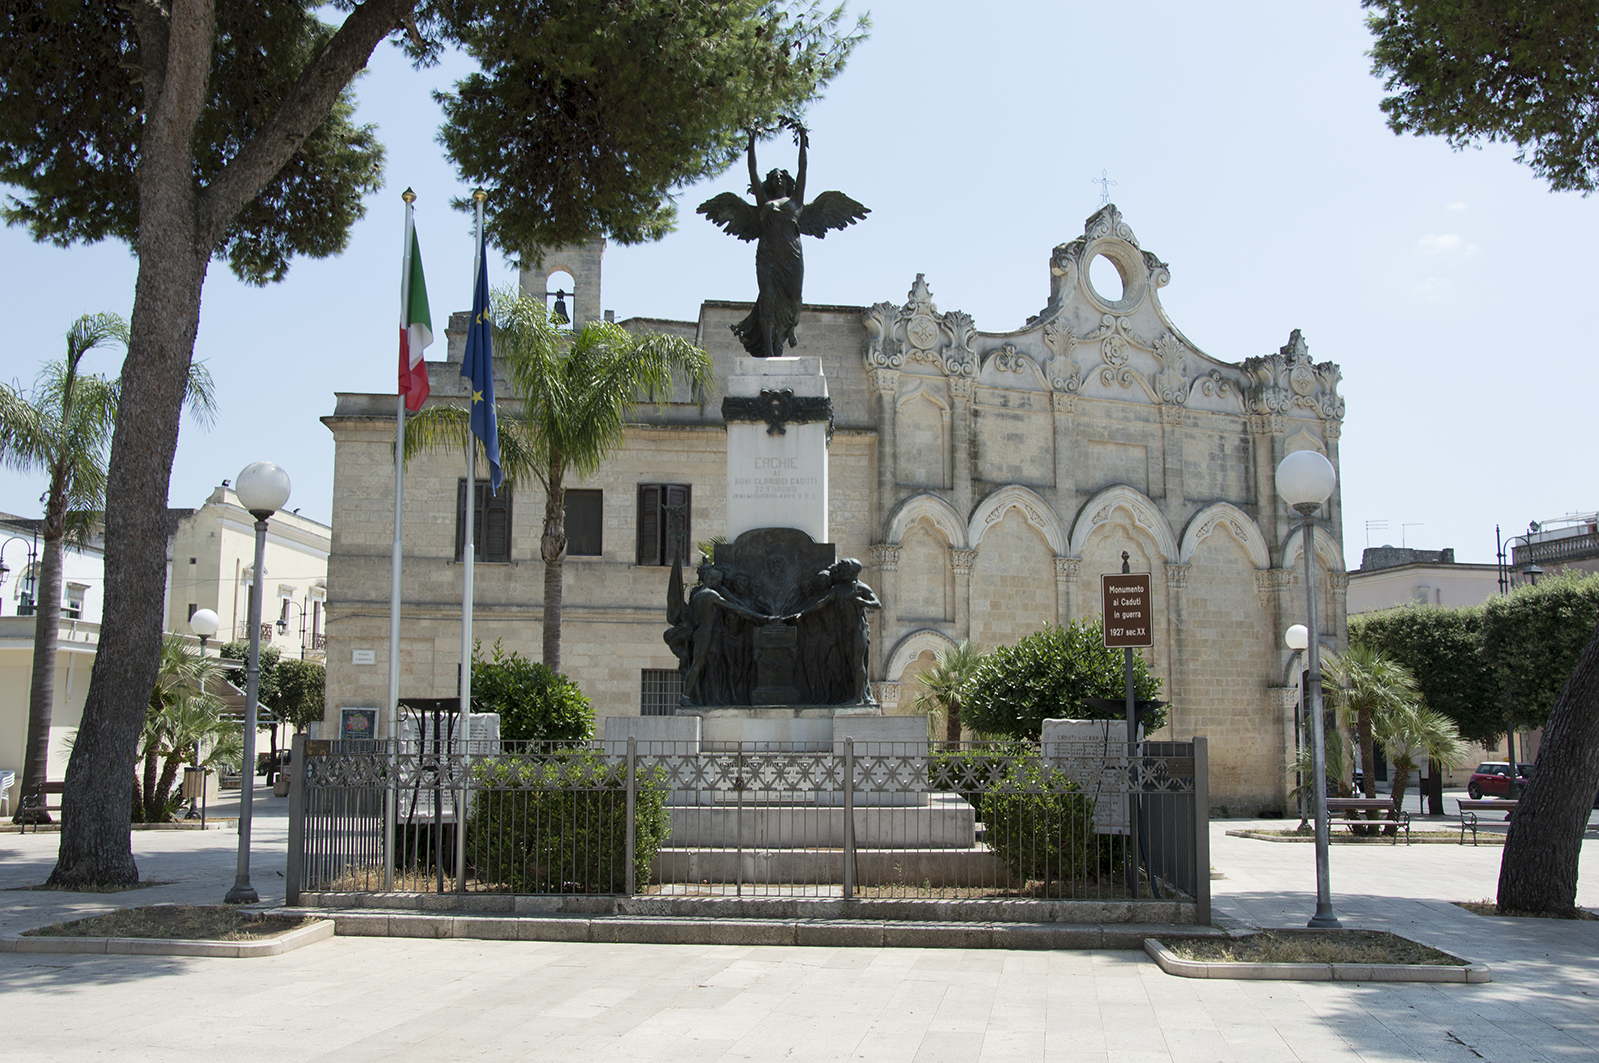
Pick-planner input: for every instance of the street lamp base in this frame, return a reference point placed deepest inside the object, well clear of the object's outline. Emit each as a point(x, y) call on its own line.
point(242, 895)
point(1324, 920)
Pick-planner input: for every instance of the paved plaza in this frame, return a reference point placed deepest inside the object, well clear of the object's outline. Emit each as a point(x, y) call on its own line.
point(355, 1000)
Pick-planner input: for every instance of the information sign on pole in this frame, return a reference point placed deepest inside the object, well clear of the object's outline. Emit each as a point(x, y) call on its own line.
point(1126, 601)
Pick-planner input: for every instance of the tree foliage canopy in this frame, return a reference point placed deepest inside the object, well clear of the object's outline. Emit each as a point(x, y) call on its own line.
point(1046, 675)
point(74, 81)
point(586, 123)
point(1525, 73)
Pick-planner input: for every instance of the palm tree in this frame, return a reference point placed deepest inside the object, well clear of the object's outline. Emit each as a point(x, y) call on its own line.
point(943, 685)
point(577, 392)
point(1366, 681)
point(1412, 734)
point(63, 430)
point(183, 724)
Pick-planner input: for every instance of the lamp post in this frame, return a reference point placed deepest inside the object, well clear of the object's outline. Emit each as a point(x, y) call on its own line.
point(262, 488)
point(25, 602)
point(205, 624)
point(283, 624)
point(1305, 480)
point(1297, 638)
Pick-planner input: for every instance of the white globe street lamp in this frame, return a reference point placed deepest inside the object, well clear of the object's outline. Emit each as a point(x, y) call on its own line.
point(263, 489)
point(1305, 480)
point(205, 624)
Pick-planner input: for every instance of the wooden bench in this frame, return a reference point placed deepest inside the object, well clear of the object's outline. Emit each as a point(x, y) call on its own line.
point(38, 800)
point(1469, 809)
point(1398, 817)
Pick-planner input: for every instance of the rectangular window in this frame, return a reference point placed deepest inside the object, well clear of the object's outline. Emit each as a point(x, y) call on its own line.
point(660, 689)
point(585, 523)
point(193, 608)
point(491, 522)
point(663, 523)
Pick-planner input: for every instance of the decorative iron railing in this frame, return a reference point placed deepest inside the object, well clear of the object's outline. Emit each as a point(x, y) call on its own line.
point(851, 819)
point(1552, 551)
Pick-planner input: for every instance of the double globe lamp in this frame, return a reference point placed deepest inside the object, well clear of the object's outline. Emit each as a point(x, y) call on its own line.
point(1305, 480)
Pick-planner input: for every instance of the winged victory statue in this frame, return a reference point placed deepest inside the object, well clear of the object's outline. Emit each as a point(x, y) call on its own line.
point(776, 221)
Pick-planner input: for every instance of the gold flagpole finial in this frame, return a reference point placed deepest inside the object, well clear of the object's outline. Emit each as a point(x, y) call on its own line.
point(408, 195)
point(479, 195)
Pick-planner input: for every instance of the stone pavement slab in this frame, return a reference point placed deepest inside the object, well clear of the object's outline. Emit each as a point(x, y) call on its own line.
point(356, 999)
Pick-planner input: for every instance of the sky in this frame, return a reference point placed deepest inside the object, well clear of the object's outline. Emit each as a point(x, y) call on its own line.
point(1248, 151)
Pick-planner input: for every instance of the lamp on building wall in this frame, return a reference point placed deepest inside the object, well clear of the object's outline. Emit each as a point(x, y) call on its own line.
point(262, 488)
point(1305, 480)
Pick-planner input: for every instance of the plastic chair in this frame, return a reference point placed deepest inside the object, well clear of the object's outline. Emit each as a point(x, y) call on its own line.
point(6, 779)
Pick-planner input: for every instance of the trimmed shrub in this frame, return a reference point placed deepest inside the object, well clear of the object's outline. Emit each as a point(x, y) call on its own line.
point(1040, 823)
point(534, 702)
point(1046, 675)
point(557, 823)
point(1532, 638)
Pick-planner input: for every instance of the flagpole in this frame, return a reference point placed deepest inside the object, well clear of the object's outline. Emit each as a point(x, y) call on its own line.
point(392, 722)
point(468, 558)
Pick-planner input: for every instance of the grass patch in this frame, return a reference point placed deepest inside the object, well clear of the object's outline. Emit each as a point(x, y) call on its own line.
point(1492, 908)
point(175, 922)
point(1313, 946)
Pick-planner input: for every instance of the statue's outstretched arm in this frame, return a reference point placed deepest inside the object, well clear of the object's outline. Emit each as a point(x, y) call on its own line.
point(799, 178)
point(755, 175)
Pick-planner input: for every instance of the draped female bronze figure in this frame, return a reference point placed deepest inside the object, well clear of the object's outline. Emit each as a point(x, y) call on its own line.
point(776, 221)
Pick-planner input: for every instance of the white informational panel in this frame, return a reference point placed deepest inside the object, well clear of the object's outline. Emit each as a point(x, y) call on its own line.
point(485, 735)
point(1093, 754)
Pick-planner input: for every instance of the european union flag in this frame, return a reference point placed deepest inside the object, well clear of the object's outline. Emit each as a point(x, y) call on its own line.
point(478, 366)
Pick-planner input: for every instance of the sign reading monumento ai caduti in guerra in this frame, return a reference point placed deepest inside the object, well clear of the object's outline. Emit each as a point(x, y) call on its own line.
point(1125, 597)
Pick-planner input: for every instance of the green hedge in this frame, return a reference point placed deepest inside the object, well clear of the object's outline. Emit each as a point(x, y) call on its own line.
point(558, 823)
point(1486, 665)
point(1040, 823)
point(1046, 675)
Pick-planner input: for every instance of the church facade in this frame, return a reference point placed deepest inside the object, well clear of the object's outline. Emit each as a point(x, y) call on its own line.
point(986, 481)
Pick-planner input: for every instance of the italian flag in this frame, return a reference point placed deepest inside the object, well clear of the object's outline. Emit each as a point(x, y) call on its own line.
point(416, 330)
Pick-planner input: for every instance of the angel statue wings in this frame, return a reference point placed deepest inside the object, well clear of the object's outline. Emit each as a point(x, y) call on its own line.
point(776, 221)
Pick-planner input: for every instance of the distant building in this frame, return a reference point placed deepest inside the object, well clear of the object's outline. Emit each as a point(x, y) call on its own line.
point(209, 554)
point(1398, 575)
point(1563, 544)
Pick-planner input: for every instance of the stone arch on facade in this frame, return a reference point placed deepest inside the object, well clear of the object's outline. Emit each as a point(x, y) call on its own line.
point(1237, 523)
point(1327, 551)
point(933, 508)
point(913, 646)
point(1145, 514)
point(1033, 509)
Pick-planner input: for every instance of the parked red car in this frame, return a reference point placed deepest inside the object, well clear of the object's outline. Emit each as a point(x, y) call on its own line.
point(1492, 779)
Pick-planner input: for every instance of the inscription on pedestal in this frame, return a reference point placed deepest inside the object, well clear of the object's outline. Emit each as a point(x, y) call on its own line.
point(776, 649)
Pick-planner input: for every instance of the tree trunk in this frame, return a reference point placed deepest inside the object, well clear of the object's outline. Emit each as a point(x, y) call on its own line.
point(96, 845)
point(1538, 871)
point(42, 694)
point(1368, 761)
point(147, 798)
point(163, 786)
point(552, 548)
point(952, 721)
point(1401, 784)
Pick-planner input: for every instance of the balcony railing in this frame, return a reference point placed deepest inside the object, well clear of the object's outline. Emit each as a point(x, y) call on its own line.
point(1569, 548)
point(267, 631)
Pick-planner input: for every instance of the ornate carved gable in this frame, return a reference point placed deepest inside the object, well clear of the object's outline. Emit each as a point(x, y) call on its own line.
point(917, 334)
point(1087, 345)
point(1289, 380)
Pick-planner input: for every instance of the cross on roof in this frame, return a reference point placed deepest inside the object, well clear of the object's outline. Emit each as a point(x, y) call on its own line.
point(1105, 185)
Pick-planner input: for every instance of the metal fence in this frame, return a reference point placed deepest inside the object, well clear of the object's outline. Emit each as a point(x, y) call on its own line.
point(851, 819)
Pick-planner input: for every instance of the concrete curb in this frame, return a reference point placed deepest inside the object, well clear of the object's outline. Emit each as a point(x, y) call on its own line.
point(1314, 972)
point(320, 930)
point(678, 930)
